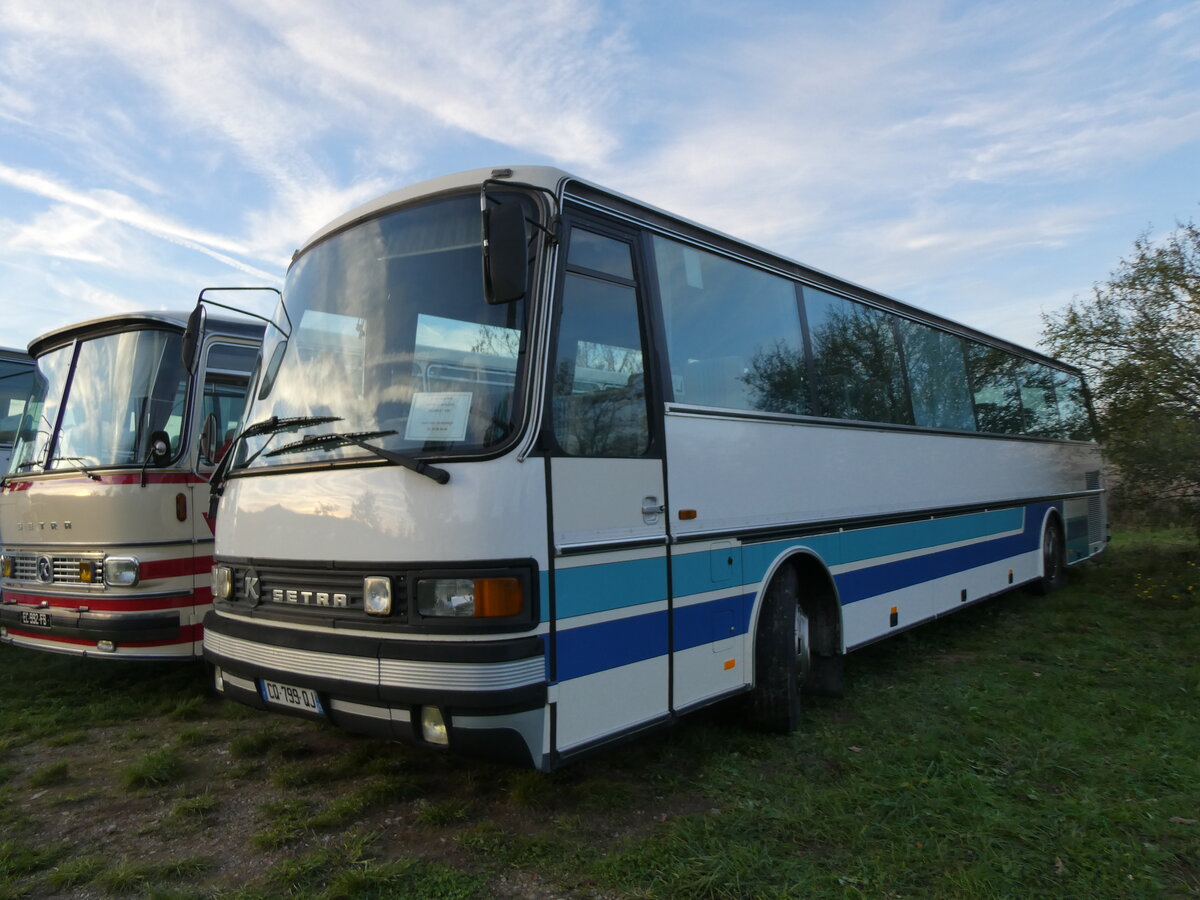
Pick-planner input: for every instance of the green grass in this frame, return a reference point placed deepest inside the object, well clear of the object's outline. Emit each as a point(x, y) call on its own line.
point(157, 768)
point(1025, 747)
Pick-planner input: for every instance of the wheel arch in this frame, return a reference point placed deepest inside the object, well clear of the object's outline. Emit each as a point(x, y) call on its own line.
point(818, 596)
point(1052, 517)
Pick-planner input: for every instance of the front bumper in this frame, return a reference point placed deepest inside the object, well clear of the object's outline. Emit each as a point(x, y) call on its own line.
point(492, 693)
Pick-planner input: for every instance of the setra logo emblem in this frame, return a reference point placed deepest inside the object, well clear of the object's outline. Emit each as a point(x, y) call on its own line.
point(45, 570)
point(251, 589)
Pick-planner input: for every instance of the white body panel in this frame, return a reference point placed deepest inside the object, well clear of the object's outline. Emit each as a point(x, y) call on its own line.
point(494, 509)
point(826, 473)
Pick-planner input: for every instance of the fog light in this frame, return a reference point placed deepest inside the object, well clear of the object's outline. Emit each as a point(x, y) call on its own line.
point(89, 571)
point(122, 571)
point(377, 595)
point(433, 726)
point(106, 646)
point(6, 566)
point(222, 582)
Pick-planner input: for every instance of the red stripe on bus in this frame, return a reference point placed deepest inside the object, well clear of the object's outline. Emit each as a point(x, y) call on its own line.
point(201, 597)
point(123, 478)
point(189, 634)
point(173, 568)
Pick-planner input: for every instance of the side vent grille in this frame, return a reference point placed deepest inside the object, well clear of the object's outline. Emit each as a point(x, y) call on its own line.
point(1095, 509)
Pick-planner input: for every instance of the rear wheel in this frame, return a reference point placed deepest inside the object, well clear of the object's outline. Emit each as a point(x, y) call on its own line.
point(1054, 560)
point(782, 656)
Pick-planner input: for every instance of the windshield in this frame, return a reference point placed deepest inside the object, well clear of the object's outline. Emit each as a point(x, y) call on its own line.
point(124, 387)
point(393, 338)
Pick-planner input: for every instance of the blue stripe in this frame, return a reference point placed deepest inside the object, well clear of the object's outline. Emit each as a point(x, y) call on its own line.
point(716, 620)
point(595, 648)
point(607, 645)
point(888, 577)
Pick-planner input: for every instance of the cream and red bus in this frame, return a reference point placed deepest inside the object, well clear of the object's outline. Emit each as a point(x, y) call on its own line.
point(106, 538)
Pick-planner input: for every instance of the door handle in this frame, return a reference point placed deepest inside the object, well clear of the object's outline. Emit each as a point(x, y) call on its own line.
point(651, 510)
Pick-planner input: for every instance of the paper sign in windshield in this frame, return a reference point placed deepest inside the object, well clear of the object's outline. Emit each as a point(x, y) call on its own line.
point(438, 416)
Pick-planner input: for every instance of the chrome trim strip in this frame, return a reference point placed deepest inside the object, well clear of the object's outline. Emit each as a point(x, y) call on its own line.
point(462, 676)
point(302, 662)
point(386, 672)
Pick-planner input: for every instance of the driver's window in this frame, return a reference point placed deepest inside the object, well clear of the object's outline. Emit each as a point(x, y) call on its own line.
point(599, 390)
point(223, 400)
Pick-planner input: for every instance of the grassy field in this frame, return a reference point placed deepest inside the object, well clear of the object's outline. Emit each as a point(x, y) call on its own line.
point(1026, 747)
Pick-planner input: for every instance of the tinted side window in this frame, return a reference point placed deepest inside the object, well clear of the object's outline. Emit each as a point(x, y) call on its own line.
point(733, 332)
point(994, 378)
point(1072, 406)
point(1039, 405)
point(937, 377)
point(856, 360)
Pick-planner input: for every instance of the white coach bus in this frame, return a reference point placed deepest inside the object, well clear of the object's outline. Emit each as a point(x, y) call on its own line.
point(107, 543)
point(16, 375)
point(527, 493)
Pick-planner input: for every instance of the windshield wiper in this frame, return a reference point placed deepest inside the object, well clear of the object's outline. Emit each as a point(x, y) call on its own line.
point(78, 459)
point(276, 424)
point(271, 426)
point(358, 439)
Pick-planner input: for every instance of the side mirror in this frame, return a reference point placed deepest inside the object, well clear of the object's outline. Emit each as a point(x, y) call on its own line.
point(160, 448)
point(208, 438)
point(505, 253)
point(191, 338)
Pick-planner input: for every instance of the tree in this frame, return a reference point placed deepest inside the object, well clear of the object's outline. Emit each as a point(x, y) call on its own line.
point(1137, 338)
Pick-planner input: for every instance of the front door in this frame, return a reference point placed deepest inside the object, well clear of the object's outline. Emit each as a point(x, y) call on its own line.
point(611, 638)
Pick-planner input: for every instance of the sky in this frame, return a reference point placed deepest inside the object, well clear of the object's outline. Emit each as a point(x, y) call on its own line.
point(987, 161)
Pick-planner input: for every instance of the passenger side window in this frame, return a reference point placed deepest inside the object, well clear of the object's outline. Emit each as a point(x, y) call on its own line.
point(937, 377)
point(733, 332)
point(856, 360)
point(1072, 406)
point(1038, 402)
point(598, 389)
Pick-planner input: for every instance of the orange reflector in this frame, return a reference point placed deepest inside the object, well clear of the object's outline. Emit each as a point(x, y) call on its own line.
point(686, 514)
point(730, 664)
point(181, 507)
point(497, 597)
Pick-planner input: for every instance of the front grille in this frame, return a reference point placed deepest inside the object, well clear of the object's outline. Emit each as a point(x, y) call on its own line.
point(319, 590)
point(63, 567)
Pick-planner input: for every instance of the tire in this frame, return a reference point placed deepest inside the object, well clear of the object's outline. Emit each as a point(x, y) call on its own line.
point(782, 657)
point(1054, 560)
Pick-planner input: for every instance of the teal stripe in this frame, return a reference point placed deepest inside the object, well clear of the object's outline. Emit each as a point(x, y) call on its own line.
point(618, 585)
point(873, 543)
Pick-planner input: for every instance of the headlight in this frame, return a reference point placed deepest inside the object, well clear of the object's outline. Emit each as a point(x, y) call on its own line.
point(122, 571)
point(222, 582)
point(377, 595)
point(469, 597)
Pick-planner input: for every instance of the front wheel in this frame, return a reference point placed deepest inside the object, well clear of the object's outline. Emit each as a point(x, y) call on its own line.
point(782, 656)
point(1054, 560)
